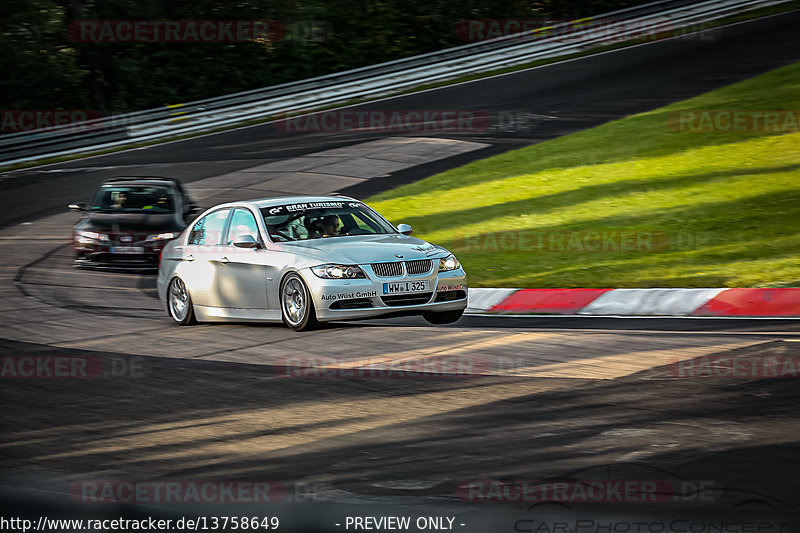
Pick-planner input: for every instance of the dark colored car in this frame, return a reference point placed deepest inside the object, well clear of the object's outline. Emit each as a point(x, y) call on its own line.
point(128, 222)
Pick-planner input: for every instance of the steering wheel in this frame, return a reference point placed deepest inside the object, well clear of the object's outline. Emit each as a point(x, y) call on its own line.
point(282, 235)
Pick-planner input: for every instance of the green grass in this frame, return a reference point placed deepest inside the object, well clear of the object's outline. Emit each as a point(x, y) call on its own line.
point(698, 208)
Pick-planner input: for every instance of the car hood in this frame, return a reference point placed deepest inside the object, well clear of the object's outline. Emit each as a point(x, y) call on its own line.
point(116, 222)
point(361, 249)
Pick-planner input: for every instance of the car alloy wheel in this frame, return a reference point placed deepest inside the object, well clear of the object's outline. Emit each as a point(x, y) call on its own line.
point(297, 306)
point(180, 303)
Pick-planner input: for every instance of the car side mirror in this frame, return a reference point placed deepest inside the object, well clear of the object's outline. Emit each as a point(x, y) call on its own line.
point(246, 241)
point(405, 229)
point(79, 206)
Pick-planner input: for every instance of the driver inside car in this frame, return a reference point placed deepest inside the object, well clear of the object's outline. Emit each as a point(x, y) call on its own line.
point(117, 200)
point(330, 226)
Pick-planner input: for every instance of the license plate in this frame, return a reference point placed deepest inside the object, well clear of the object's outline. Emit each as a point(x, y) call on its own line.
point(127, 250)
point(401, 287)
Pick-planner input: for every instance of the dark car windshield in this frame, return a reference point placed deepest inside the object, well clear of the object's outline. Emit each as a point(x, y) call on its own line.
point(134, 198)
point(316, 220)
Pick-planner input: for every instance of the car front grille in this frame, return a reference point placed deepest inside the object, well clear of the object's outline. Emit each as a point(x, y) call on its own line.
point(130, 238)
point(387, 270)
point(416, 298)
point(418, 266)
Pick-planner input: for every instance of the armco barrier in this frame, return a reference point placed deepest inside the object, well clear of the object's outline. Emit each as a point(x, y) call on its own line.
point(719, 302)
point(369, 82)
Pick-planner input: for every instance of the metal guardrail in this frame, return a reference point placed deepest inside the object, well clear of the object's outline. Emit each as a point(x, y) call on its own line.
point(366, 82)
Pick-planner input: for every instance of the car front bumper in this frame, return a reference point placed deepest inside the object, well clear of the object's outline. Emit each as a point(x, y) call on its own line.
point(336, 299)
point(139, 254)
point(110, 261)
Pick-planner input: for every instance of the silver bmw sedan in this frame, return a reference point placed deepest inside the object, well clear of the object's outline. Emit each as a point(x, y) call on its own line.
point(305, 260)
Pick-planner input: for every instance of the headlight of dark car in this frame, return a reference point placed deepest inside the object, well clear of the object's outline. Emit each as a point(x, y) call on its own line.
point(448, 263)
point(90, 237)
point(331, 271)
point(162, 237)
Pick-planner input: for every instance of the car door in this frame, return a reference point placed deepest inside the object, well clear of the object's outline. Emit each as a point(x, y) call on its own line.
point(244, 272)
point(201, 258)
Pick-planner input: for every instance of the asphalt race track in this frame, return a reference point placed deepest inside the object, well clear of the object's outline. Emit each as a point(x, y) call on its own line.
point(396, 416)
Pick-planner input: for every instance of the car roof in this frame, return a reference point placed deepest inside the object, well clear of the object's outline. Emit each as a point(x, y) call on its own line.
point(121, 180)
point(283, 200)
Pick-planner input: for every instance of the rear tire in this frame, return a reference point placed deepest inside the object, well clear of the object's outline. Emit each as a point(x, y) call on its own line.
point(443, 317)
point(179, 303)
point(297, 306)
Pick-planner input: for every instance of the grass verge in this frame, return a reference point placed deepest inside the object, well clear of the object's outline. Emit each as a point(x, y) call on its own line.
point(645, 201)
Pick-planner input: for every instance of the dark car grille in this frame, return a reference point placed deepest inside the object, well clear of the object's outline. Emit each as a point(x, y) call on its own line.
point(407, 299)
point(387, 270)
point(418, 266)
point(128, 238)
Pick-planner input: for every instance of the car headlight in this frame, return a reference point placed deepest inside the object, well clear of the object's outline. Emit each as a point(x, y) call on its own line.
point(89, 237)
point(162, 237)
point(448, 263)
point(338, 271)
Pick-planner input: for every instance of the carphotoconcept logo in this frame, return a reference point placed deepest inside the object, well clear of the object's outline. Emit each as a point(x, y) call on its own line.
point(640, 525)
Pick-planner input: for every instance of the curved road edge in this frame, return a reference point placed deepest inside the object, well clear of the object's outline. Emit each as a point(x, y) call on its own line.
point(668, 302)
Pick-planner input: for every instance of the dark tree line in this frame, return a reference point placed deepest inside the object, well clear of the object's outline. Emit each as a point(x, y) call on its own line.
point(44, 66)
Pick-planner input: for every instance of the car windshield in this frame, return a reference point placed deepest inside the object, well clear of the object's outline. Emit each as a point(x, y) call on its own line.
point(318, 220)
point(134, 198)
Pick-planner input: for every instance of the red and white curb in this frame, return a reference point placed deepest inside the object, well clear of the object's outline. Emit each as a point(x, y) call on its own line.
point(638, 302)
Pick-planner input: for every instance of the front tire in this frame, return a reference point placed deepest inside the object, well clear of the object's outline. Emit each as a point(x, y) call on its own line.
point(179, 303)
point(297, 307)
point(443, 317)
